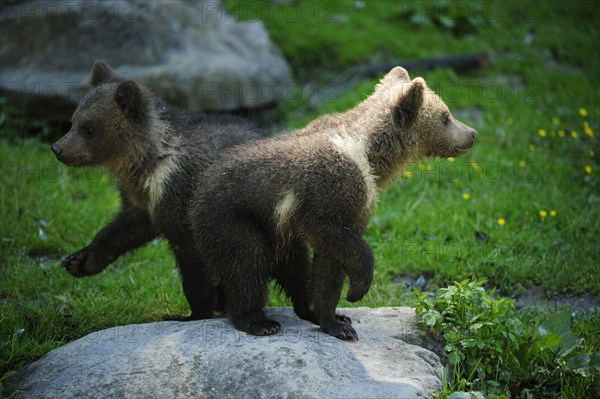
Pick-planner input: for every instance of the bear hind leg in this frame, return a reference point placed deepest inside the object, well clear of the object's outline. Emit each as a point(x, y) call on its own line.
point(239, 253)
point(293, 275)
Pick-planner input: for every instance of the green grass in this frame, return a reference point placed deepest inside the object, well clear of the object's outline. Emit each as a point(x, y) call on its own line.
point(422, 226)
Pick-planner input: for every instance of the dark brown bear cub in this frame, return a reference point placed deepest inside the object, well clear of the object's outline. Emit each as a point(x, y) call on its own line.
point(156, 156)
point(261, 205)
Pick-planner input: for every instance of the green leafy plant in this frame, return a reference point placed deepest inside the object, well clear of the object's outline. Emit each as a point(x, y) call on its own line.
point(557, 359)
point(459, 19)
point(491, 347)
point(486, 342)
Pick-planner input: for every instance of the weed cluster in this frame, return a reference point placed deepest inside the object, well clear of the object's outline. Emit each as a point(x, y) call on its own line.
point(491, 347)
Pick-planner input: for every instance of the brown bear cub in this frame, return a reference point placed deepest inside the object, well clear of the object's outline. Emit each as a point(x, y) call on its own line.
point(156, 156)
point(262, 205)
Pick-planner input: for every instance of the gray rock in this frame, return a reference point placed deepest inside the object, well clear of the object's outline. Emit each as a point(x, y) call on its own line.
point(210, 359)
point(191, 53)
point(467, 395)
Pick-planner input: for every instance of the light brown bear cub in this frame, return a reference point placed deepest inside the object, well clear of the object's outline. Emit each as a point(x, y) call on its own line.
point(262, 204)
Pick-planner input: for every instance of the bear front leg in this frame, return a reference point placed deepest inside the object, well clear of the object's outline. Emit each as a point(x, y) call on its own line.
point(328, 280)
point(129, 230)
point(198, 287)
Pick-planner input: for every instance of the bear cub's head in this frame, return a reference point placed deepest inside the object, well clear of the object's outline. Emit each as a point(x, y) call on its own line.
point(107, 121)
point(424, 119)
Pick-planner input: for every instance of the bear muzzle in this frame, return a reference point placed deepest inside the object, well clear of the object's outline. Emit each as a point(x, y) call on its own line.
point(56, 149)
point(71, 150)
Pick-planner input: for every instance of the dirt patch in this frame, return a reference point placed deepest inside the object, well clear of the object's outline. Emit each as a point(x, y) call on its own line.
point(535, 298)
point(44, 257)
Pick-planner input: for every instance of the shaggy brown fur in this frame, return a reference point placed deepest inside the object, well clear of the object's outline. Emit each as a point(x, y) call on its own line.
point(261, 205)
point(156, 155)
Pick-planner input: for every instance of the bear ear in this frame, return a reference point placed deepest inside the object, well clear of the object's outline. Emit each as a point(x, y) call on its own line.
point(396, 75)
point(101, 73)
point(130, 99)
point(409, 103)
point(399, 73)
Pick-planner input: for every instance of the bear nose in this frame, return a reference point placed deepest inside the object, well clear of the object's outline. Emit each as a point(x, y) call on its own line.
point(56, 149)
point(474, 133)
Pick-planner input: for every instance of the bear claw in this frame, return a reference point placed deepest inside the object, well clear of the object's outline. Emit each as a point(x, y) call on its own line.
point(74, 264)
point(266, 327)
point(341, 331)
point(344, 319)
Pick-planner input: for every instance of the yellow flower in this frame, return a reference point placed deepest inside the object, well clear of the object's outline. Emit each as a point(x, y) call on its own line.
point(592, 153)
point(574, 134)
point(587, 129)
point(561, 133)
point(408, 173)
point(553, 213)
point(542, 132)
point(474, 165)
point(451, 159)
point(510, 121)
point(501, 221)
point(588, 169)
point(543, 213)
point(466, 196)
point(582, 111)
point(522, 164)
point(531, 147)
point(555, 121)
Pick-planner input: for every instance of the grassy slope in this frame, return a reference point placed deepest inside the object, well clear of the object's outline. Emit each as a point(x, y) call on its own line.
point(422, 226)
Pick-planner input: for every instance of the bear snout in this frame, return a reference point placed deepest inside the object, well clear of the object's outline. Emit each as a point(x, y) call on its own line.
point(56, 149)
point(474, 133)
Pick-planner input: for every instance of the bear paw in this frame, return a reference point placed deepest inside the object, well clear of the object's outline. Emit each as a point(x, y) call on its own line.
point(341, 330)
point(345, 320)
point(265, 327)
point(312, 317)
point(83, 263)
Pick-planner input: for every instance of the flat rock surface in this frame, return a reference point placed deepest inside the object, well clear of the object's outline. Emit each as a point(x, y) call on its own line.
point(210, 359)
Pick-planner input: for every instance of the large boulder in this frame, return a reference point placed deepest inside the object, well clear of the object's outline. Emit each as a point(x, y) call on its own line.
point(193, 54)
point(210, 359)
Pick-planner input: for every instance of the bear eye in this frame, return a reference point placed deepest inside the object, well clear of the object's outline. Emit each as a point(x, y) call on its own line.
point(446, 118)
point(87, 128)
